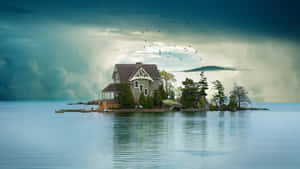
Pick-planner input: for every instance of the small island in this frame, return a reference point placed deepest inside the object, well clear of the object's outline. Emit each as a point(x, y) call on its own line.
point(143, 88)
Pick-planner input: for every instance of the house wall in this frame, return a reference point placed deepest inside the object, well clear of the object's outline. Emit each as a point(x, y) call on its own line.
point(150, 85)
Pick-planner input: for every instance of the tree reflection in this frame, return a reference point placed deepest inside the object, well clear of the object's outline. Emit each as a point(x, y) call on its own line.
point(150, 140)
point(195, 130)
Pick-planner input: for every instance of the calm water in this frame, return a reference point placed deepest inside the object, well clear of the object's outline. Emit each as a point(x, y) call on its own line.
point(34, 137)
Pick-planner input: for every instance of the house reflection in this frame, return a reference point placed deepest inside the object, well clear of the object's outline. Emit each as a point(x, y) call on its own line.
point(139, 137)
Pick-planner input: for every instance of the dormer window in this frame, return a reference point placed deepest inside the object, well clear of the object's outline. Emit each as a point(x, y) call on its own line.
point(136, 84)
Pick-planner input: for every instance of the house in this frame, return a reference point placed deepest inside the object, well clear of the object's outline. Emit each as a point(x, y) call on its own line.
point(142, 78)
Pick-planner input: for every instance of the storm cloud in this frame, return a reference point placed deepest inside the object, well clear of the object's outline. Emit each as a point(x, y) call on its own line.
point(212, 68)
point(62, 50)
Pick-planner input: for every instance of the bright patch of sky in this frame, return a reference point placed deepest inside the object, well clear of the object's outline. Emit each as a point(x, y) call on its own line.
point(160, 49)
point(69, 52)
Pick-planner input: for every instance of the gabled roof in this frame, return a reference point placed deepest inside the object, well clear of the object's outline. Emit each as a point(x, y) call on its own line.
point(113, 87)
point(127, 70)
point(134, 75)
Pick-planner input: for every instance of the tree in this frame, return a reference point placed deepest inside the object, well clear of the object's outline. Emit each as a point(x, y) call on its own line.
point(142, 100)
point(157, 100)
point(219, 96)
point(232, 103)
point(169, 78)
point(240, 94)
point(172, 94)
point(126, 96)
point(146, 102)
point(214, 101)
point(202, 102)
point(203, 84)
point(162, 92)
point(159, 95)
point(190, 93)
point(149, 102)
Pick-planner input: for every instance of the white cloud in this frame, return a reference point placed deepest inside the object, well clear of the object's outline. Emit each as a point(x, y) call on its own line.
point(161, 49)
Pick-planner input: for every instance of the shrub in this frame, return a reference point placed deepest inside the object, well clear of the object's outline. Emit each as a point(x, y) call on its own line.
point(149, 102)
point(126, 96)
point(157, 100)
point(142, 100)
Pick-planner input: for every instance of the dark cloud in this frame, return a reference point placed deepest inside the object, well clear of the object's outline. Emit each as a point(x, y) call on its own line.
point(48, 64)
point(212, 68)
point(274, 18)
point(42, 57)
point(14, 10)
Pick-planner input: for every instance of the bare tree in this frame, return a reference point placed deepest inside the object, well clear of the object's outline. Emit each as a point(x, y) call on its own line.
point(241, 95)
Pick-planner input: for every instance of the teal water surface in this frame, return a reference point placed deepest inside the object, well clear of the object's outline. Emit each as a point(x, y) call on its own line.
point(34, 137)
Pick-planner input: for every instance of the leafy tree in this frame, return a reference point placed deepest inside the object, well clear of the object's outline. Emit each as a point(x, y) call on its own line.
point(190, 93)
point(149, 102)
point(212, 107)
point(202, 102)
point(159, 95)
point(169, 78)
point(146, 102)
point(219, 96)
point(232, 103)
point(142, 100)
point(126, 96)
point(171, 94)
point(241, 96)
point(214, 101)
point(203, 84)
point(157, 100)
point(162, 92)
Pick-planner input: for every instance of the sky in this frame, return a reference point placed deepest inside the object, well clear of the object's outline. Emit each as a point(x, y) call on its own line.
point(61, 50)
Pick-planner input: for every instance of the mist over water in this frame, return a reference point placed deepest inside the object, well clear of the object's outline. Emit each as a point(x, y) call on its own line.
point(33, 136)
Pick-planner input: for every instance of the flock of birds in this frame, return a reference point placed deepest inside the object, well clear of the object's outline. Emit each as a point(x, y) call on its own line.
point(151, 44)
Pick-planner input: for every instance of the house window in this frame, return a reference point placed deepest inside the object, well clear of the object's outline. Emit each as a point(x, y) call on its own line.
point(146, 92)
point(141, 88)
point(136, 84)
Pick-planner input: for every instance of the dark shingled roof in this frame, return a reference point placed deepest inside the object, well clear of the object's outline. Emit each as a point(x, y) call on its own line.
point(127, 70)
point(111, 88)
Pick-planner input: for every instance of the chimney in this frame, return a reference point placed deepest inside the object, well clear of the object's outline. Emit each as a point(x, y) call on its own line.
point(138, 64)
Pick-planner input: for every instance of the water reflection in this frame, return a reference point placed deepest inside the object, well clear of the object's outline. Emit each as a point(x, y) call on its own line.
point(35, 137)
point(221, 133)
point(143, 140)
point(139, 139)
point(195, 133)
point(221, 114)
